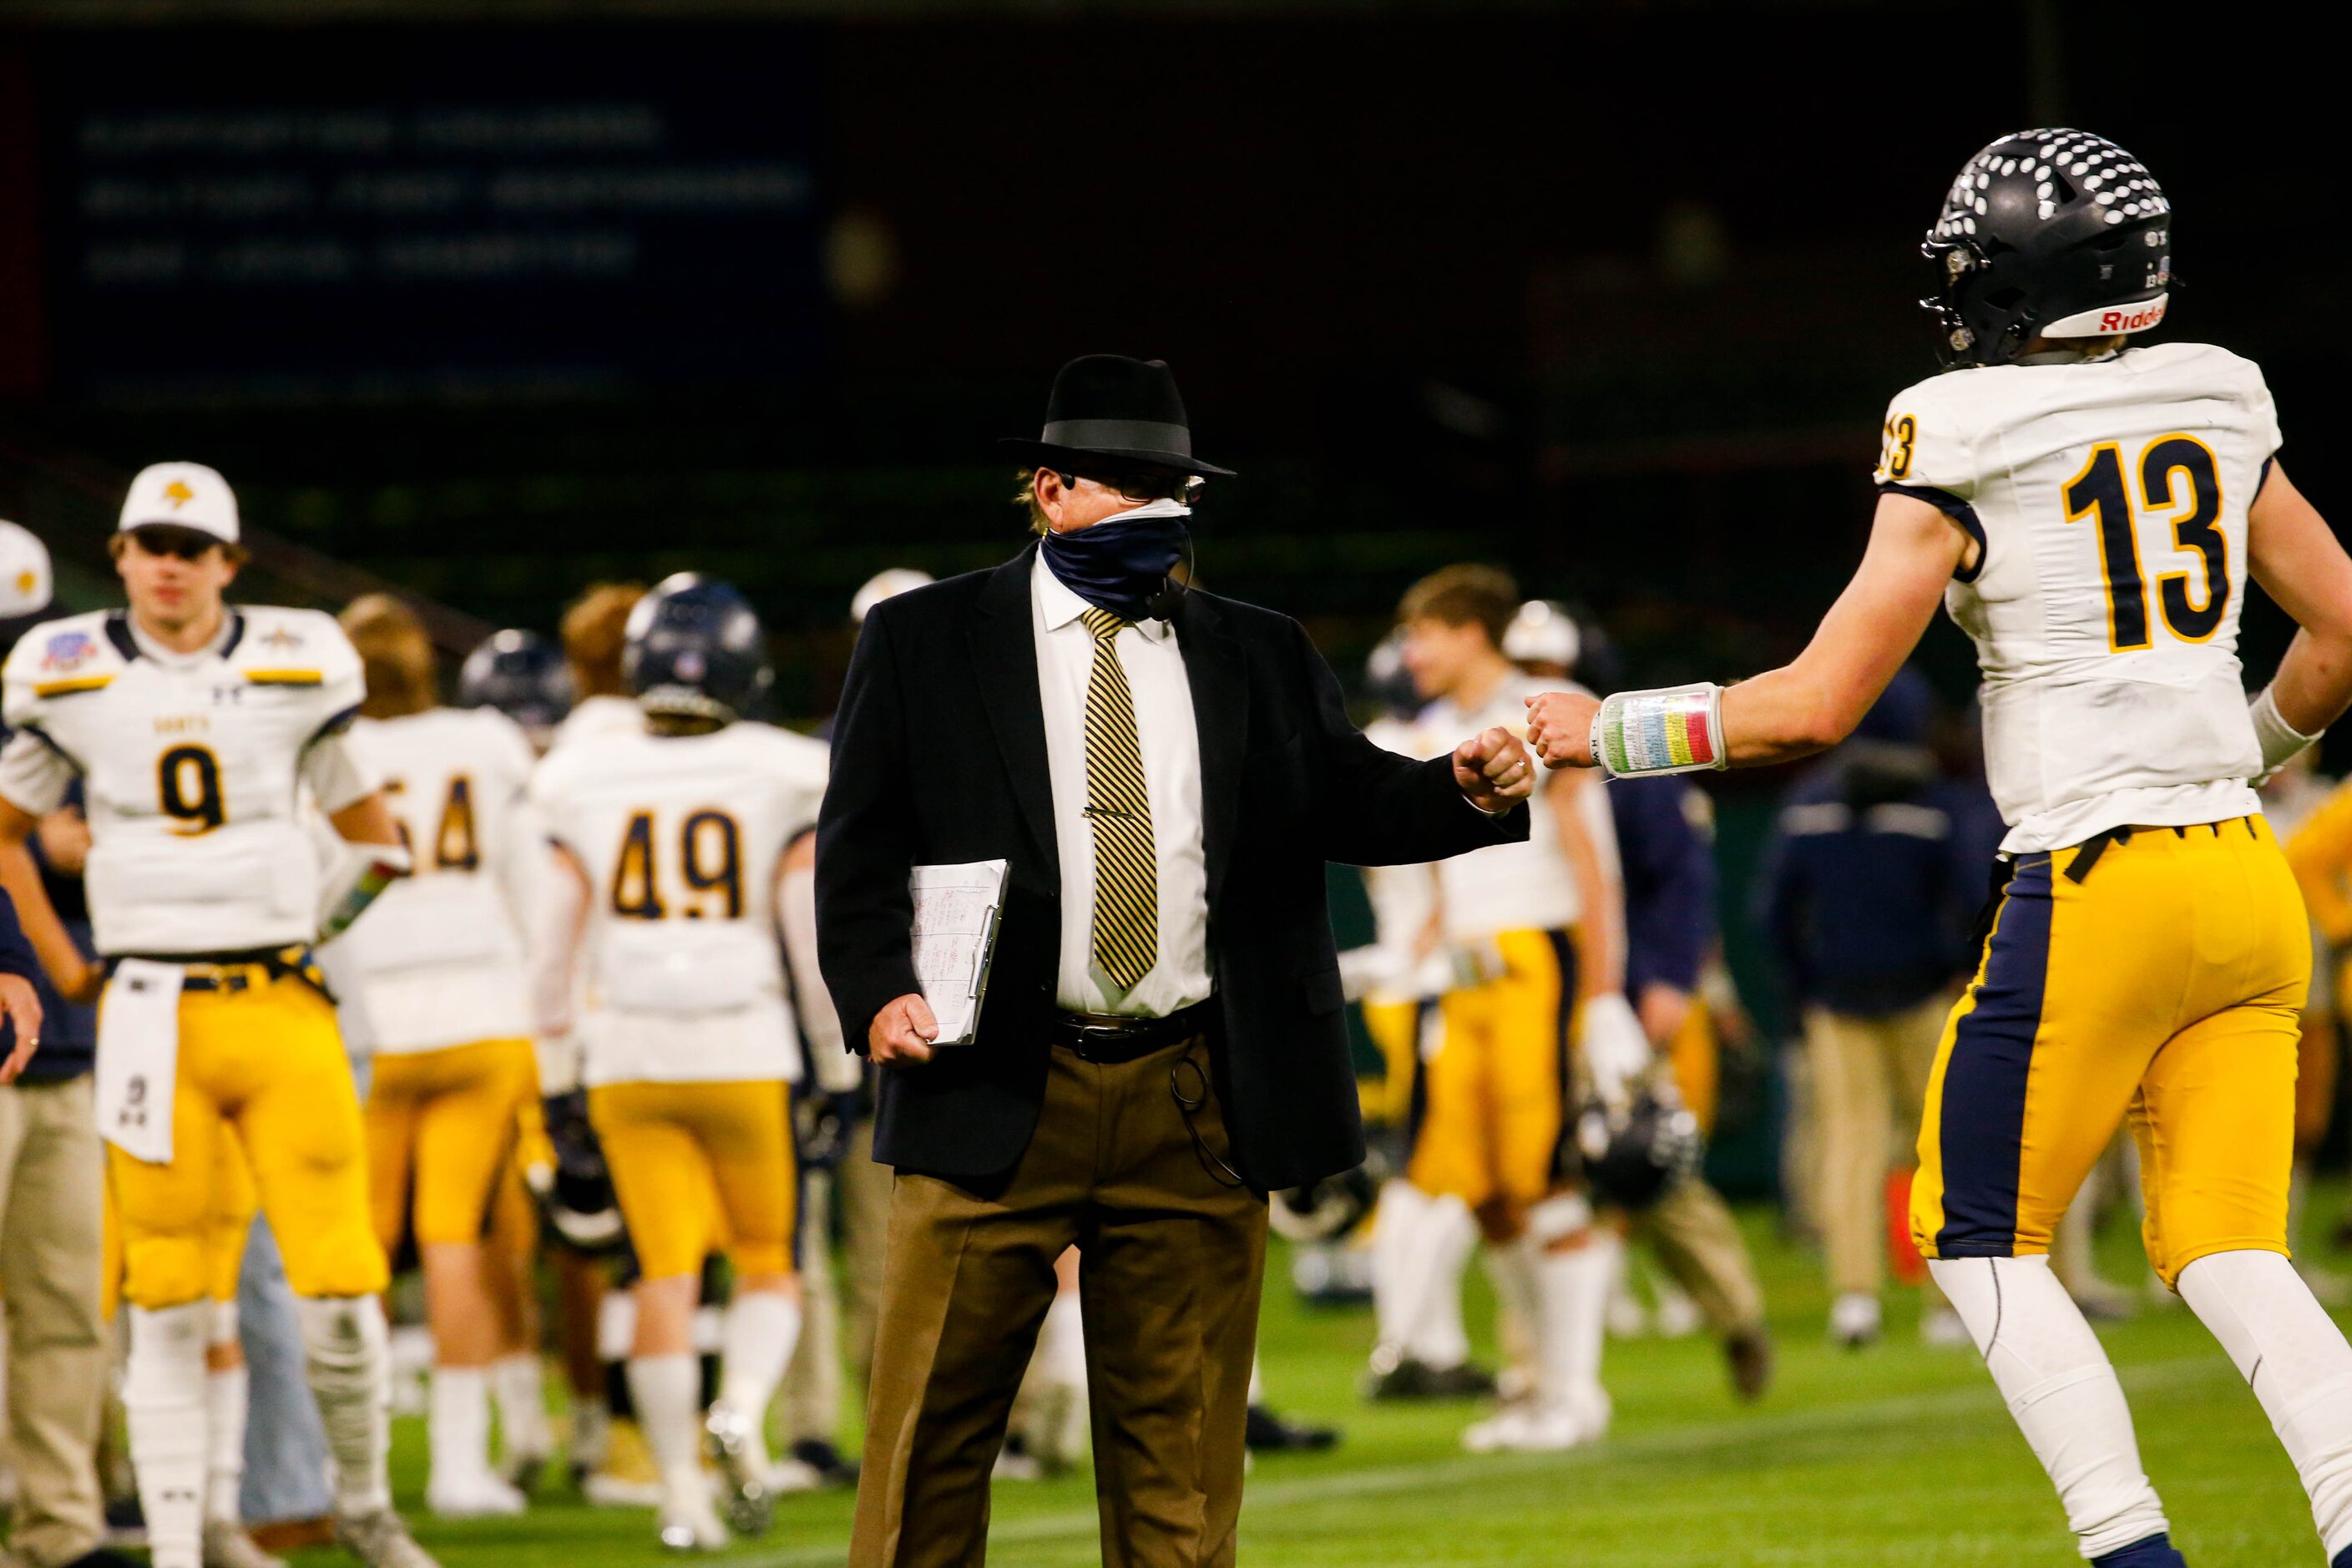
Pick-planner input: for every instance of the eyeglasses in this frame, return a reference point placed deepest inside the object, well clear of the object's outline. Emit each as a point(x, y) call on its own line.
point(163, 538)
point(1145, 484)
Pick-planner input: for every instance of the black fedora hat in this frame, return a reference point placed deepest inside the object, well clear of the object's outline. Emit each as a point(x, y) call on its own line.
point(1109, 405)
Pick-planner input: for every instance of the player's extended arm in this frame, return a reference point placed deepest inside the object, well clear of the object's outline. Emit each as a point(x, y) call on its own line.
point(377, 859)
point(1599, 941)
point(76, 977)
point(561, 927)
point(2294, 555)
point(836, 1068)
point(1812, 703)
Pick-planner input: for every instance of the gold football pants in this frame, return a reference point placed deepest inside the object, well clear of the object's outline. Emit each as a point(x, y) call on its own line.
point(263, 1063)
point(672, 1145)
point(2159, 979)
point(441, 1126)
point(1493, 1101)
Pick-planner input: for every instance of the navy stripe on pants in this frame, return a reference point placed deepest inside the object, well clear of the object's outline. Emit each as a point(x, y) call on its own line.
point(1982, 1132)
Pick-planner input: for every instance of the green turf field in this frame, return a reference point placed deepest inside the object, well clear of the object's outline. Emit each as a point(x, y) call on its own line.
point(1901, 1456)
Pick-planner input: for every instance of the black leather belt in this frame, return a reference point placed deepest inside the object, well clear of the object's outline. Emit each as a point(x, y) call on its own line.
point(1108, 1038)
point(231, 973)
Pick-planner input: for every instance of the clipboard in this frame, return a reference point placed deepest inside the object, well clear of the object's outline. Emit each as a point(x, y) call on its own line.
point(958, 911)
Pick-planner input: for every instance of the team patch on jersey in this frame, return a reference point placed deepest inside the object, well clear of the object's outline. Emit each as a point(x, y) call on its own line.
point(280, 639)
point(68, 651)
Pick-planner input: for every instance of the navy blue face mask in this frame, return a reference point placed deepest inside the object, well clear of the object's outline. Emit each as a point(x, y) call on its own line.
point(1122, 564)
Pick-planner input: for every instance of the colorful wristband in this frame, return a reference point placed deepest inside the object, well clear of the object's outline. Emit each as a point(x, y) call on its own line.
point(1667, 730)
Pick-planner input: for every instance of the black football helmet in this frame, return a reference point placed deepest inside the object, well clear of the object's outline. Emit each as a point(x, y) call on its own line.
point(520, 674)
point(694, 648)
point(1632, 1154)
point(2056, 233)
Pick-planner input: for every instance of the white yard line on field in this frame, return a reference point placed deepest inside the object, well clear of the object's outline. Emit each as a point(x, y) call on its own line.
point(1900, 1410)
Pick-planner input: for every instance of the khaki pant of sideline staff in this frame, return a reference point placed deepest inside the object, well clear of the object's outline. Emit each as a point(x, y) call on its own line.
point(51, 1176)
point(1698, 1241)
point(1870, 1085)
point(1169, 1264)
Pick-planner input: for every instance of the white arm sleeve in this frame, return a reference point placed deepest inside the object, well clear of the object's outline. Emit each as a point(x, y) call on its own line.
point(837, 1071)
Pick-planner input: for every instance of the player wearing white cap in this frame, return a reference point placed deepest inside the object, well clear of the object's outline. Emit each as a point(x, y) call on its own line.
point(203, 735)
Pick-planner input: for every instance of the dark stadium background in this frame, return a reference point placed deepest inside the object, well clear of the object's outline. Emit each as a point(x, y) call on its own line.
point(491, 301)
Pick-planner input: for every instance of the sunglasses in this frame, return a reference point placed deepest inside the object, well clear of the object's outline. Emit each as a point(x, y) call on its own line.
point(163, 538)
point(1146, 484)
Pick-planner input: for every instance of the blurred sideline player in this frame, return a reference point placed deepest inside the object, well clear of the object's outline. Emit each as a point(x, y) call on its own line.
point(439, 965)
point(594, 1322)
point(594, 633)
point(672, 839)
point(1666, 854)
point(198, 730)
point(2149, 957)
point(2314, 823)
point(1421, 1241)
point(842, 1184)
point(1537, 932)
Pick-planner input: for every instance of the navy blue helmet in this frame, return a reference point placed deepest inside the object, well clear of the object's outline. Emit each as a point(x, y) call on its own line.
point(523, 676)
point(694, 648)
point(2052, 234)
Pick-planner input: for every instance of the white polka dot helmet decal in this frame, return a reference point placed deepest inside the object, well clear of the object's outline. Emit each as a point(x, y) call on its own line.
point(2041, 235)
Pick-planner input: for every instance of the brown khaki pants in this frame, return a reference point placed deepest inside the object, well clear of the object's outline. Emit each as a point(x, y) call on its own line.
point(1870, 1086)
point(1695, 1237)
point(51, 1176)
point(1170, 1257)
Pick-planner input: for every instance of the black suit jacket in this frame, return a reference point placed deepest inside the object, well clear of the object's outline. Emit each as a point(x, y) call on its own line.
point(939, 757)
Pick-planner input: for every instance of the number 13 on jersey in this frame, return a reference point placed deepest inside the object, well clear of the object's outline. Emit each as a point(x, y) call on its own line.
point(2099, 493)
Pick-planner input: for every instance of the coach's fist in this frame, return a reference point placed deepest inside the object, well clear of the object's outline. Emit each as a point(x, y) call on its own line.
point(1494, 771)
point(1559, 728)
point(902, 1032)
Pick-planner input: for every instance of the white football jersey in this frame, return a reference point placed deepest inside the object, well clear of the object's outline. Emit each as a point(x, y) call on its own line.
point(603, 715)
point(1403, 898)
point(192, 765)
point(1528, 886)
point(680, 837)
point(2110, 501)
point(441, 955)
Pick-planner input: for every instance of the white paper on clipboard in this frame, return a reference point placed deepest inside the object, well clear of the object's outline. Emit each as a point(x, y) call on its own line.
point(956, 913)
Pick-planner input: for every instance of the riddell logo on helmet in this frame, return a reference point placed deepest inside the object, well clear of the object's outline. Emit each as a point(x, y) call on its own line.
point(2106, 321)
point(2132, 320)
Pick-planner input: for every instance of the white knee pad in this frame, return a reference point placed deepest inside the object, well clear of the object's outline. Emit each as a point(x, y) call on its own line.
point(2061, 1392)
point(2296, 1360)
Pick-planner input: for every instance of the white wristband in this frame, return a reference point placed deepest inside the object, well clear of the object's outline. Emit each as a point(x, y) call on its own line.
point(2281, 742)
point(1664, 730)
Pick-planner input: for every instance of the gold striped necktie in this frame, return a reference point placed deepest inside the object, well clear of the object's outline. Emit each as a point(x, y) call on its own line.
point(1127, 870)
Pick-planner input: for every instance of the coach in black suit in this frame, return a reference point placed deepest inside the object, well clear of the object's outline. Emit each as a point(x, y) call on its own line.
point(1161, 1042)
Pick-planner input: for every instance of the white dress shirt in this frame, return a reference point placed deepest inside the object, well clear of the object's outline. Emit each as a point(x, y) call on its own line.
point(1170, 744)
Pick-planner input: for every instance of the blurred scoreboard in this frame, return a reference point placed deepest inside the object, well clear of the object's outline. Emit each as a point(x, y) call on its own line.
point(355, 213)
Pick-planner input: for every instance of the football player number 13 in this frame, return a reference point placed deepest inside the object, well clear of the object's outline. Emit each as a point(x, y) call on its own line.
point(2100, 492)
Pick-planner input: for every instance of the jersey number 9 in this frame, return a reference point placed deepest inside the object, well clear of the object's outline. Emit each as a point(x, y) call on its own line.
point(188, 787)
point(711, 862)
